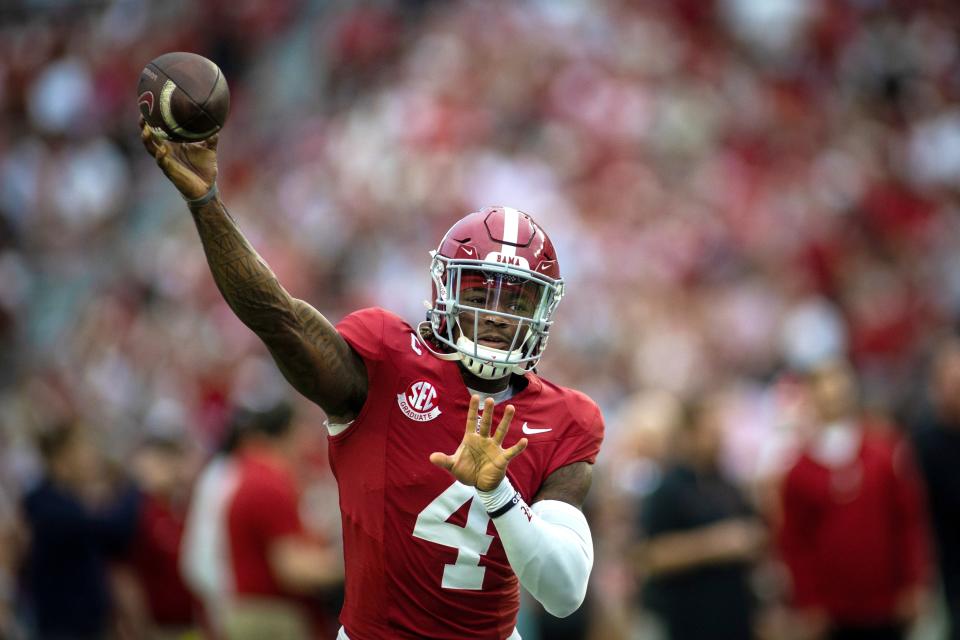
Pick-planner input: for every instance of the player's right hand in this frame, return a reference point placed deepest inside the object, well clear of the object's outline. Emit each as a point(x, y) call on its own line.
point(190, 166)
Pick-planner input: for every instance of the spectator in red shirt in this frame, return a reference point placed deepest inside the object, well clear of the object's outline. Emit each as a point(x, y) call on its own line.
point(853, 534)
point(160, 467)
point(275, 561)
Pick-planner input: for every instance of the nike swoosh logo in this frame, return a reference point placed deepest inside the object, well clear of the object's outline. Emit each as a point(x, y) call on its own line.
point(531, 431)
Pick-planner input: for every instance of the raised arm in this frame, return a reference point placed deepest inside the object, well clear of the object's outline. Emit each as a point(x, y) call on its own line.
point(313, 357)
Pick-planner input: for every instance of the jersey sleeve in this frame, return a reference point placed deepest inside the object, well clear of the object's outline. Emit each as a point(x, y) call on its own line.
point(364, 332)
point(582, 441)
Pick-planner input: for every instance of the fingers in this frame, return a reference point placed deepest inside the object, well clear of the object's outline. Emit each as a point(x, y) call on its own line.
point(487, 419)
point(163, 154)
point(442, 460)
point(178, 167)
point(158, 149)
point(472, 415)
point(149, 140)
point(504, 425)
point(211, 142)
point(516, 449)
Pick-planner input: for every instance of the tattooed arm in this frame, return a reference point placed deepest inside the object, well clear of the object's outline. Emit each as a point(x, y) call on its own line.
point(313, 357)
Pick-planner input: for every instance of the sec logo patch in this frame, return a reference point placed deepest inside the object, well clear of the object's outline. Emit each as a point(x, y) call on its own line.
point(419, 401)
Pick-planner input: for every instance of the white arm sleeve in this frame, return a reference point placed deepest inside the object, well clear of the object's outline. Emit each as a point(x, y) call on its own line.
point(548, 546)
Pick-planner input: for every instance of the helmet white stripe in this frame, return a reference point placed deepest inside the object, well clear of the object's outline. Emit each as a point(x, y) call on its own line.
point(511, 227)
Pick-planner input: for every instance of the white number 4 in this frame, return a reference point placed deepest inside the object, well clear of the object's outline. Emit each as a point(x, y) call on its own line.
point(471, 541)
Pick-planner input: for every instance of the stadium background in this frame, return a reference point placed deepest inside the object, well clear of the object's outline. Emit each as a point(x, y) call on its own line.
point(736, 188)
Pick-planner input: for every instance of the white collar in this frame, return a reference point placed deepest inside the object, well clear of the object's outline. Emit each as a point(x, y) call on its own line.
point(498, 397)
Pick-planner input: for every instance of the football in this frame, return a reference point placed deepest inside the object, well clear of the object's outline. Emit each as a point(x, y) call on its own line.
point(183, 96)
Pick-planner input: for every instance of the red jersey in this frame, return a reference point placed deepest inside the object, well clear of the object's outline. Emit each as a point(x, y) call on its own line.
point(155, 557)
point(264, 507)
point(423, 559)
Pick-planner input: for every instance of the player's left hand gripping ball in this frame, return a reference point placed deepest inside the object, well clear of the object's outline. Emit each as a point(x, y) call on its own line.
point(480, 461)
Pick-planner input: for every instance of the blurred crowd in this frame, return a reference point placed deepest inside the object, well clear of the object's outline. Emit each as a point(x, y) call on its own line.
point(755, 205)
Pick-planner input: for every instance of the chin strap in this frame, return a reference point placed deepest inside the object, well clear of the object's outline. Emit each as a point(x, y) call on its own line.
point(443, 355)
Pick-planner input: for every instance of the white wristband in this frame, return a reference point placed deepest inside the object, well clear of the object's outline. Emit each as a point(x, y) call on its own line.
point(504, 495)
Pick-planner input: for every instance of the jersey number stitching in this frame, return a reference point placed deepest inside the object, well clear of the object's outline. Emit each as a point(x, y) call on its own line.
point(471, 541)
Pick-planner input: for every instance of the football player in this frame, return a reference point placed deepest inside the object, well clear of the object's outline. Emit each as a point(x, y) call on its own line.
point(447, 502)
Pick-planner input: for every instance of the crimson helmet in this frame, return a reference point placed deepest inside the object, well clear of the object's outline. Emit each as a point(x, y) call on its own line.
point(496, 285)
